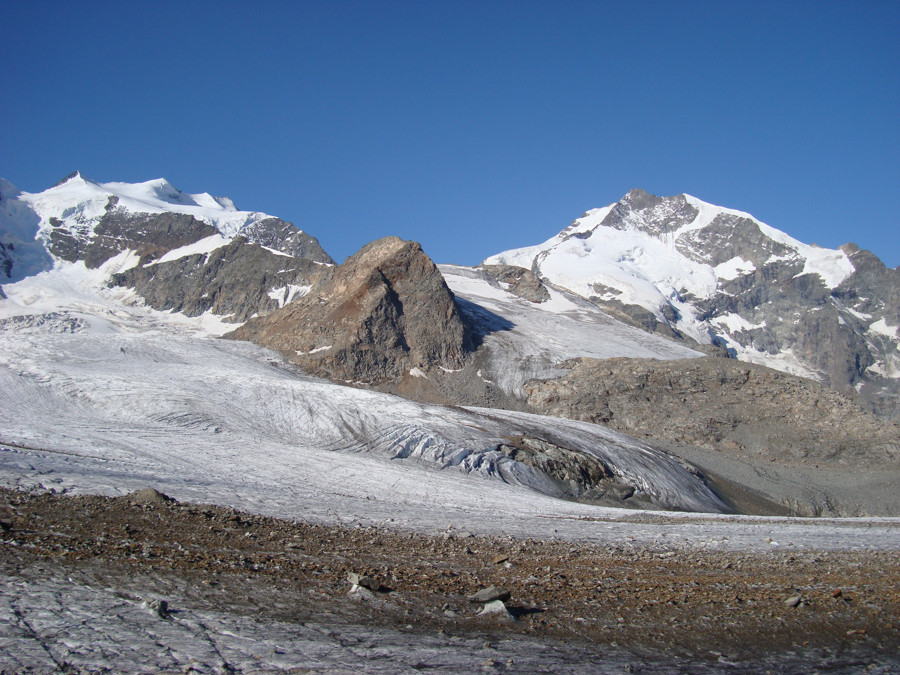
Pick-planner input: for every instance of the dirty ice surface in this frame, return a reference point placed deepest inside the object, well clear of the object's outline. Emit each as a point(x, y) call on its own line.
point(63, 621)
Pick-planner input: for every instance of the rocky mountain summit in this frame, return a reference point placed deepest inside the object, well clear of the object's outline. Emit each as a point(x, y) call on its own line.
point(690, 270)
point(385, 313)
point(188, 253)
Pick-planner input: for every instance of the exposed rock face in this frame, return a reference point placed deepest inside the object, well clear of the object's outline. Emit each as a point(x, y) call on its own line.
point(656, 215)
point(690, 270)
point(385, 311)
point(519, 281)
point(236, 281)
point(721, 404)
point(6, 261)
point(283, 236)
point(577, 474)
point(871, 298)
point(150, 234)
point(154, 234)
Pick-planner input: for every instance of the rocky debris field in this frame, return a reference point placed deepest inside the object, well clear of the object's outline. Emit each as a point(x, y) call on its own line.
point(841, 608)
point(721, 404)
point(805, 448)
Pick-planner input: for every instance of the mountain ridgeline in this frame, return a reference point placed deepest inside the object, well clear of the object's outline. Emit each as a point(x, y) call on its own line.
point(690, 270)
point(672, 278)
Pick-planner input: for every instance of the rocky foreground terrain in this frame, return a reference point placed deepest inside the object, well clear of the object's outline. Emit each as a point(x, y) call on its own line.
point(640, 609)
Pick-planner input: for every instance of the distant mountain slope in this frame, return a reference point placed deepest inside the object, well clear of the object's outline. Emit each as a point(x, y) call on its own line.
point(80, 219)
point(191, 253)
point(681, 267)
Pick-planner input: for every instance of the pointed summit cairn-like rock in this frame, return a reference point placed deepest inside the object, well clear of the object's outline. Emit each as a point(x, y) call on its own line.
point(386, 311)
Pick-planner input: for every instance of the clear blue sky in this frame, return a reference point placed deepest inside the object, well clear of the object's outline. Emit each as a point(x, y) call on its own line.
point(471, 127)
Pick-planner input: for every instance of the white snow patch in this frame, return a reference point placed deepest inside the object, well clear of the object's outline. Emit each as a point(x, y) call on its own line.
point(732, 269)
point(203, 246)
point(735, 323)
point(482, 377)
point(287, 294)
point(881, 327)
point(416, 372)
point(858, 315)
point(315, 351)
point(277, 252)
point(785, 361)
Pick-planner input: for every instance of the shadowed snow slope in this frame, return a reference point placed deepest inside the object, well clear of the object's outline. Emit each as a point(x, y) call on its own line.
point(534, 337)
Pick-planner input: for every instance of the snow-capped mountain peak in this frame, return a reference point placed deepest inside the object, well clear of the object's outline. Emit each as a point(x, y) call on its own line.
point(82, 219)
point(684, 267)
point(84, 198)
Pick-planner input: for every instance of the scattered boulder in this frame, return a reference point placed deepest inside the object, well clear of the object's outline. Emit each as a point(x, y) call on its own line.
point(158, 607)
point(364, 581)
point(497, 609)
point(490, 594)
point(148, 497)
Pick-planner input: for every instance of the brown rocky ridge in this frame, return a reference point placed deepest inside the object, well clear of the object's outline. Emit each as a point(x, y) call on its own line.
point(720, 404)
point(385, 312)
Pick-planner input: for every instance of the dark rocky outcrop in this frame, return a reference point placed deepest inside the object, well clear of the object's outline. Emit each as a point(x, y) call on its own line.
point(579, 475)
point(385, 311)
point(150, 234)
point(282, 236)
point(6, 260)
point(725, 405)
point(518, 281)
point(236, 281)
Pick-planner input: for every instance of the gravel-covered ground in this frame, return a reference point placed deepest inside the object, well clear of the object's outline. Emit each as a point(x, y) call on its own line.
point(76, 568)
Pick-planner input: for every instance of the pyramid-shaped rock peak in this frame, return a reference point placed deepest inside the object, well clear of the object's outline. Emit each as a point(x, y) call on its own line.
point(385, 311)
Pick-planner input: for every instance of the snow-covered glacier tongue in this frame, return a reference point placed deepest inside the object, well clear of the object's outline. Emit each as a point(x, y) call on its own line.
point(222, 421)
